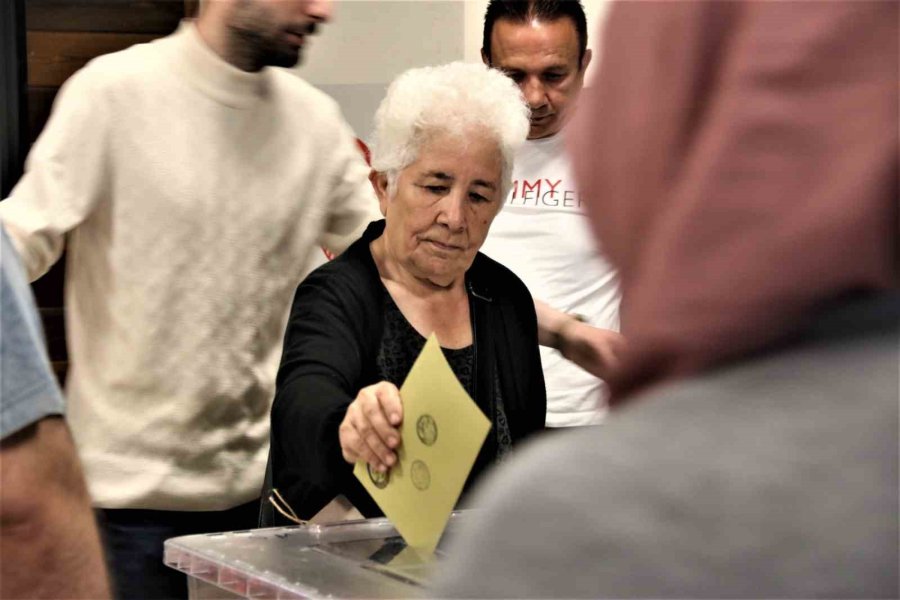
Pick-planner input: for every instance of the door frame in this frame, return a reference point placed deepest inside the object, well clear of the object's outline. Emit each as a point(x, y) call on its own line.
point(13, 108)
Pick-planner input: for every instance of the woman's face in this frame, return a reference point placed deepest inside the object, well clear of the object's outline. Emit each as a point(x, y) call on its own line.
point(443, 206)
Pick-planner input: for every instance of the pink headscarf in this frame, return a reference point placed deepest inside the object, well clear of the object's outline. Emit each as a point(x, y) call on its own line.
point(740, 162)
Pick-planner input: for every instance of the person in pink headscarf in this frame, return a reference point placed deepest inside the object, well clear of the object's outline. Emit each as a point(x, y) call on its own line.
point(742, 172)
point(741, 165)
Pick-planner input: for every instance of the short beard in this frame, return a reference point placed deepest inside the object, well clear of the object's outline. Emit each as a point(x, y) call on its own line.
point(251, 51)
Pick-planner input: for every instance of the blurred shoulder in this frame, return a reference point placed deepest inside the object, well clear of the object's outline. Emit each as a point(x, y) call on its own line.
point(121, 75)
point(133, 64)
point(303, 94)
point(348, 274)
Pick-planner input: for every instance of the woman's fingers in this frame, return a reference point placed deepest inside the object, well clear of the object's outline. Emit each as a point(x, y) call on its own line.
point(349, 441)
point(389, 398)
point(353, 445)
point(362, 417)
point(367, 431)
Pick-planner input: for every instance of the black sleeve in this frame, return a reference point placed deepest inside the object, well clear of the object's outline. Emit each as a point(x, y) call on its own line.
point(535, 409)
point(518, 355)
point(320, 373)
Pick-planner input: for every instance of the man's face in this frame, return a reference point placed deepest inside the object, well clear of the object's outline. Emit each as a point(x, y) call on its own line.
point(274, 32)
point(542, 58)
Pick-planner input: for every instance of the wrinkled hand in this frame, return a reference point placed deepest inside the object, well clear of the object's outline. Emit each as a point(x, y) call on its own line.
point(597, 351)
point(369, 430)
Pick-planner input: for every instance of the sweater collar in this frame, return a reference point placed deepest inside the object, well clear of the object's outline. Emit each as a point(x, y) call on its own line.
point(212, 75)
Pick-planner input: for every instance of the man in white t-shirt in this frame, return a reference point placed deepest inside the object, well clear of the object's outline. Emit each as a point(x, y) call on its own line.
point(542, 233)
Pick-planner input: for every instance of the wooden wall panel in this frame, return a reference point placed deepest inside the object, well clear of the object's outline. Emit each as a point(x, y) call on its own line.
point(105, 16)
point(40, 101)
point(53, 56)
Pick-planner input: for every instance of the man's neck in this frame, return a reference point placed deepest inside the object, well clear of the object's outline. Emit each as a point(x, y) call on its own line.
point(223, 42)
point(545, 138)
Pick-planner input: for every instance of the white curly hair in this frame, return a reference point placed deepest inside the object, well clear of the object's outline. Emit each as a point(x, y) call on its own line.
point(456, 98)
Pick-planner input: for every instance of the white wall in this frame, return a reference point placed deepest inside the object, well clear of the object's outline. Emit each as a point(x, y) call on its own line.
point(369, 42)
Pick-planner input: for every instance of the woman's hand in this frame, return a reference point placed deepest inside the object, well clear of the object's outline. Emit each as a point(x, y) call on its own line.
point(369, 430)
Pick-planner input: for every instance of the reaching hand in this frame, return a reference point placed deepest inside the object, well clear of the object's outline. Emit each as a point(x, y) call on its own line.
point(369, 430)
point(597, 351)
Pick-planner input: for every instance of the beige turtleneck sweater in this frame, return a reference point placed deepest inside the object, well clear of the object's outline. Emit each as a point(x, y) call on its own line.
point(193, 195)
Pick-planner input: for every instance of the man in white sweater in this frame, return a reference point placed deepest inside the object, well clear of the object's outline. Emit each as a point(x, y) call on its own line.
point(193, 184)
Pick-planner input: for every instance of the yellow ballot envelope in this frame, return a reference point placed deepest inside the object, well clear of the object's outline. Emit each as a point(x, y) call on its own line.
point(441, 433)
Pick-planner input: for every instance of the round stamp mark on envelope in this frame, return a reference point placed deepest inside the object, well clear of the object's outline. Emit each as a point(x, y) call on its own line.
point(426, 429)
point(420, 475)
point(378, 478)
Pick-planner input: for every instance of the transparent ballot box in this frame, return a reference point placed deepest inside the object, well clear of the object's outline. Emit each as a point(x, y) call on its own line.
point(350, 559)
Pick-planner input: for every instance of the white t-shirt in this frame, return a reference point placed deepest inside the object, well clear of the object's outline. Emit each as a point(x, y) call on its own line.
point(543, 236)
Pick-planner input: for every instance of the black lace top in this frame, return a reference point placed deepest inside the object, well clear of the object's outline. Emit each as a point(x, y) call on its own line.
point(400, 346)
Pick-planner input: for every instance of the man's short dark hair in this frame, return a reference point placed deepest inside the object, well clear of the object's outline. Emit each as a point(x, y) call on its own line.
point(523, 11)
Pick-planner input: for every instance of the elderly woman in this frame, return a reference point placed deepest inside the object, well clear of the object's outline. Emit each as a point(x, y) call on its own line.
point(442, 157)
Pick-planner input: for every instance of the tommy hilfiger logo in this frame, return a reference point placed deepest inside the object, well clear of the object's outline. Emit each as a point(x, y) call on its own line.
point(543, 192)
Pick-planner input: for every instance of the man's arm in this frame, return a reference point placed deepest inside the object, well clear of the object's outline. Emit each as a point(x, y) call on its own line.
point(595, 350)
point(66, 173)
point(353, 201)
point(49, 547)
point(48, 536)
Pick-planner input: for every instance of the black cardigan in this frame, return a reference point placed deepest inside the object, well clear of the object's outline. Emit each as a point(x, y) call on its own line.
point(330, 350)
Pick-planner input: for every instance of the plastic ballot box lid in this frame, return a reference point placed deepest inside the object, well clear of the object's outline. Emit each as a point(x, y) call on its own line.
point(350, 559)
